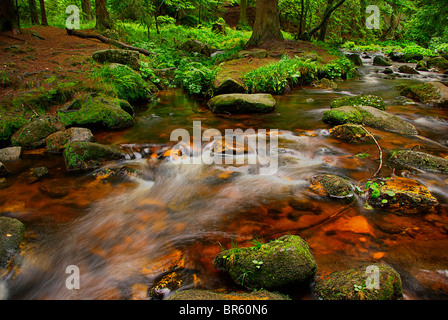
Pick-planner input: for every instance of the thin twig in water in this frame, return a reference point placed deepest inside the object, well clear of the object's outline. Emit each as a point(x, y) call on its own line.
point(31, 109)
point(379, 149)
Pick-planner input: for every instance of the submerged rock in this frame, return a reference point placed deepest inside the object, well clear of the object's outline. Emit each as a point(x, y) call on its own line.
point(361, 100)
point(332, 186)
point(89, 155)
point(10, 154)
point(54, 189)
point(354, 284)
point(350, 132)
point(242, 103)
point(432, 93)
point(284, 262)
point(11, 235)
point(57, 141)
point(33, 134)
point(402, 195)
point(195, 294)
point(35, 174)
point(126, 57)
point(419, 160)
point(97, 111)
point(371, 117)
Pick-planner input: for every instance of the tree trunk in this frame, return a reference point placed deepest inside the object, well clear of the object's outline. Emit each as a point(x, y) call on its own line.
point(33, 11)
point(267, 23)
point(243, 13)
point(324, 23)
point(43, 13)
point(8, 16)
point(103, 20)
point(86, 6)
point(302, 9)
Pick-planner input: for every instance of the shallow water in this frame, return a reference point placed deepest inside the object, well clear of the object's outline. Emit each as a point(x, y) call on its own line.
point(125, 232)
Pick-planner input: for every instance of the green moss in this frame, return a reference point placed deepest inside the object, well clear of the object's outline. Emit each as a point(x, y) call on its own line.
point(11, 235)
point(362, 100)
point(333, 186)
point(342, 115)
point(419, 160)
point(88, 155)
point(422, 92)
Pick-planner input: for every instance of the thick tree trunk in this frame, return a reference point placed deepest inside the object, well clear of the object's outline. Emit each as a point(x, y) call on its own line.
point(267, 23)
point(8, 16)
point(86, 6)
point(103, 20)
point(243, 13)
point(302, 13)
point(43, 13)
point(33, 11)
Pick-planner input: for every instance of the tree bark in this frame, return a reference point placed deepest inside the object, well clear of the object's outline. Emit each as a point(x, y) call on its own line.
point(267, 23)
point(302, 13)
point(103, 20)
point(86, 7)
point(243, 13)
point(43, 13)
point(8, 16)
point(33, 11)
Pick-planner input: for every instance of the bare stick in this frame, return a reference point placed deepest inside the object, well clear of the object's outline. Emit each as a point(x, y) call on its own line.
point(379, 149)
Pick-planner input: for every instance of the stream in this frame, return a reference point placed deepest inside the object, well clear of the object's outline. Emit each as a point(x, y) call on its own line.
point(131, 223)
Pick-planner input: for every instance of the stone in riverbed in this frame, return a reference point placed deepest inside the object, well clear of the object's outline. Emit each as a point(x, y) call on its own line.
point(240, 103)
point(195, 294)
point(352, 284)
point(34, 174)
point(419, 160)
point(33, 134)
point(11, 235)
point(432, 93)
point(356, 59)
point(332, 186)
point(407, 70)
point(371, 117)
point(350, 132)
point(381, 61)
point(57, 141)
point(89, 155)
point(3, 170)
point(97, 111)
point(361, 100)
point(402, 195)
point(284, 262)
point(10, 154)
point(440, 63)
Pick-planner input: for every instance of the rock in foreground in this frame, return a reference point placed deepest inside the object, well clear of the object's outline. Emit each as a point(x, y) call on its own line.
point(353, 284)
point(195, 294)
point(89, 155)
point(11, 235)
point(420, 160)
point(284, 262)
point(33, 135)
point(240, 103)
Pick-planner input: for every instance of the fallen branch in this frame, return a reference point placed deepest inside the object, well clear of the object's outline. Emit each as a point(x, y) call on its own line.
point(107, 40)
point(379, 149)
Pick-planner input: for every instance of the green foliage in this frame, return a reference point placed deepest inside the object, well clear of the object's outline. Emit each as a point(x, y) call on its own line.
point(195, 77)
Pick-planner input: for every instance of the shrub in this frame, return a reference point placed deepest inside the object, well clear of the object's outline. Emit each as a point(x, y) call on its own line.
point(195, 77)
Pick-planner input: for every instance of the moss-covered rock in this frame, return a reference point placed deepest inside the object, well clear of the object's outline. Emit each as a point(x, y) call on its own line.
point(10, 154)
point(195, 294)
point(57, 141)
point(9, 124)
point(355, 58)
point(11, 235)
point(97, 112)
point(352, 285)
point(361, 100)
point(381, 61)
point(419, 160)
point(283, 262)
point(440, 63)
point(229, 85)
point(432, 93)
point(33, 134)
point(89, 155)
point(324, 83)
point(350, 132)
point(238, 103)
point(407, 69)
point(332, 186)
point(196, 46)
point(421, 66)
point(125, 57)
point(34, 174)
point(369, 116)
point(402, 195)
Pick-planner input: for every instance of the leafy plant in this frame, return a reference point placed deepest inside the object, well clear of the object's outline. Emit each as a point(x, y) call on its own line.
point(195, 78)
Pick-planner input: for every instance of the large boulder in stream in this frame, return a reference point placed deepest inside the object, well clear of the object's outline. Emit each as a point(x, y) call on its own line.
point(371, 117)
point(432, 93)
point(361, 100)
point(358, 284)
point(381, 61)
point(419, 160)
point(11, 235)
point(401, 195)
point(439, 63)
point(284, 262)
point(240, 103)
point(89, 155)
point(33, 134)
point(57, 141)
point(10, 153)
point(97, 111)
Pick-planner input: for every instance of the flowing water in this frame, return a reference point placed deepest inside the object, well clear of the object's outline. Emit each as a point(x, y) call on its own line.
point(135, 222)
